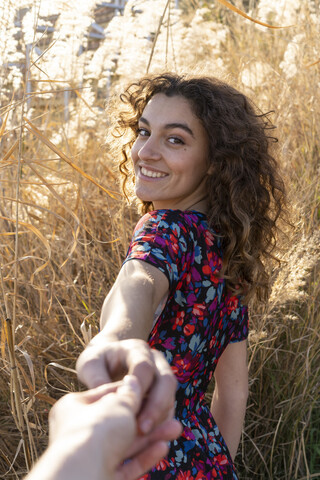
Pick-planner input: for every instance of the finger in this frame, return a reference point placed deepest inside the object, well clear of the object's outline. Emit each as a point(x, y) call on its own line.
point(71, 402)
point(129, 393)
point(140, 363)
point(168, 431)
point(161, 398)
point(133, 357)
point(142, 462)
point(93, 395)
point(91, 368)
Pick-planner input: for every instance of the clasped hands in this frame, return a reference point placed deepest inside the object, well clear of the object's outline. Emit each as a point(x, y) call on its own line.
point(121, 426)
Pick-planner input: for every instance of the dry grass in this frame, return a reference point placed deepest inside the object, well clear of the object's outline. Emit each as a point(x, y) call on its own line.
point(65, 230)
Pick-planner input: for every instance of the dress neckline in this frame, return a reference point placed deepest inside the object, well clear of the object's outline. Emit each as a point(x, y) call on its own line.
point(197, 212)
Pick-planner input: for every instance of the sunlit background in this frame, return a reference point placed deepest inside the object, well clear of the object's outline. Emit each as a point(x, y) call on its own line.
point(65, 227)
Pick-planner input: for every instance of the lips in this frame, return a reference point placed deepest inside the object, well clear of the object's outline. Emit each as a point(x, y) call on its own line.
point(151, 173)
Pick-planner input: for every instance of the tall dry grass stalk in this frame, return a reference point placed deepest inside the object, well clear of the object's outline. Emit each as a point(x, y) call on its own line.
point(65, 228)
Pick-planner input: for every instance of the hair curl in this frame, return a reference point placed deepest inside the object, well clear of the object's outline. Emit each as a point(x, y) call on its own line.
point(246, 193)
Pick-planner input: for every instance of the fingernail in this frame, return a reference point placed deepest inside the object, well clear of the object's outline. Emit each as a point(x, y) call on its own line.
point(146, 425)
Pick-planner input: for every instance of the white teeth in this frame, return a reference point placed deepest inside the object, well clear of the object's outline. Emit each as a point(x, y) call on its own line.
point(149, 173)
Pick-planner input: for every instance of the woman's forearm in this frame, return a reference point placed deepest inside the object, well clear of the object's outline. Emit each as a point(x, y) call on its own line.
point(228, 412)
point(230, 395)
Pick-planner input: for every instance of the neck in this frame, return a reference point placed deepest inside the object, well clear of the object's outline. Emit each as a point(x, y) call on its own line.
point(200, 206)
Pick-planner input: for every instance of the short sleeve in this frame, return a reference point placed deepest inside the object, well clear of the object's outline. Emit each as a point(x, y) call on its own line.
point(161, 239)
point(239, 317)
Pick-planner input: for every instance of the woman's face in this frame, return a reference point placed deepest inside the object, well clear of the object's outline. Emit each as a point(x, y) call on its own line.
point(170, 154)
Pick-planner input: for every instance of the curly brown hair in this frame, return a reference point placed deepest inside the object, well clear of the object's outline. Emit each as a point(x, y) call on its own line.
point(246, 194)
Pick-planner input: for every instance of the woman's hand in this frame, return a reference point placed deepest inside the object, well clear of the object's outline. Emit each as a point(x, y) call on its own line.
point(104, 362)
point(121, 348)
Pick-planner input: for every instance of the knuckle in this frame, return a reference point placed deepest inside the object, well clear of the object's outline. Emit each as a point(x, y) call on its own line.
point(61, 405)
point(145, 365)
point(82, 365)
point(84, 357)
point(89, 372)
point(167, 401)
point(170, 380)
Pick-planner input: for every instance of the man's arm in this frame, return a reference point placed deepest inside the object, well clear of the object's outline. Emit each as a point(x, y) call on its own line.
point(93, 432)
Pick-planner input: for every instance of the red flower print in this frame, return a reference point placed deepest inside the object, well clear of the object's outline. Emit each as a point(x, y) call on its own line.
point(183, 366)
point(174, 244)
point(213, 341)
point(232, 304)
point(215, 279)
point(209, 238)
point(185, 476)
point(189, 329)
point(198, 310)
point(206, 270)
point(201, 475)
point(179, 320)
point(163, 464)
point(222, 459)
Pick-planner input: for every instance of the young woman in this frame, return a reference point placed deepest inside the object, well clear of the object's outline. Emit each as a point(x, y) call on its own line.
point(211, 195)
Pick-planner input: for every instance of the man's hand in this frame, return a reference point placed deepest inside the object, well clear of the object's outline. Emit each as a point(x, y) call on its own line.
point(104, 362)
point(92, 433)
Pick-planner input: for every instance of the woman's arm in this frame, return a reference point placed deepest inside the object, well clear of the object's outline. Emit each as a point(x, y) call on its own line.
point(129, 308)
point(231, 393)
point(121, 348)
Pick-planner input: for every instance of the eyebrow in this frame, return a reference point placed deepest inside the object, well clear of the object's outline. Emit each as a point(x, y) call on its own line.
point(167, 126)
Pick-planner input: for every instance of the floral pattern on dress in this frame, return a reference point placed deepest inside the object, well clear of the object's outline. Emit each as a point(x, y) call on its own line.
point(199, 319)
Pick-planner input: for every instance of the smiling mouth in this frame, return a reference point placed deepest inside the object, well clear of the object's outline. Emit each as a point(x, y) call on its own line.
point(151, 174)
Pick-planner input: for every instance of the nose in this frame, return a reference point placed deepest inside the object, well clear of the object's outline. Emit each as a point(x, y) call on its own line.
point(149, 150)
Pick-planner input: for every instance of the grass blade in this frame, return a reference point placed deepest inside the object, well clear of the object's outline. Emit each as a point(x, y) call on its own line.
point(157, 34)
point(243, 14)
point(33, 129)
point(314, 63)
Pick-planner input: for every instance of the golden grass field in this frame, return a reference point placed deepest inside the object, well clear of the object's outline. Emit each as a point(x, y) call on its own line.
point(65, 227)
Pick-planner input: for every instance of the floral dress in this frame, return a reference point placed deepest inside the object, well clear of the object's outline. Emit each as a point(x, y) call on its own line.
point(197, 321)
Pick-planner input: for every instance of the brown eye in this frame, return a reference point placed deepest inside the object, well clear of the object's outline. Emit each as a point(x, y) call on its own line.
point(175, 141)
point(142, 132)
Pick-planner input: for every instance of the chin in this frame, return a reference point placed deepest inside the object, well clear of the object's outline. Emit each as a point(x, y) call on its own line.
point(142, 197)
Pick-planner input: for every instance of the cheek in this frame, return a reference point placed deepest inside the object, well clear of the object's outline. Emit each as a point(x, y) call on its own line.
point(195, 167)
point(134, 153)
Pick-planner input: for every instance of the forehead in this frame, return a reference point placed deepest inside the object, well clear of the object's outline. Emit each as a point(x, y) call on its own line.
point(169, 109)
